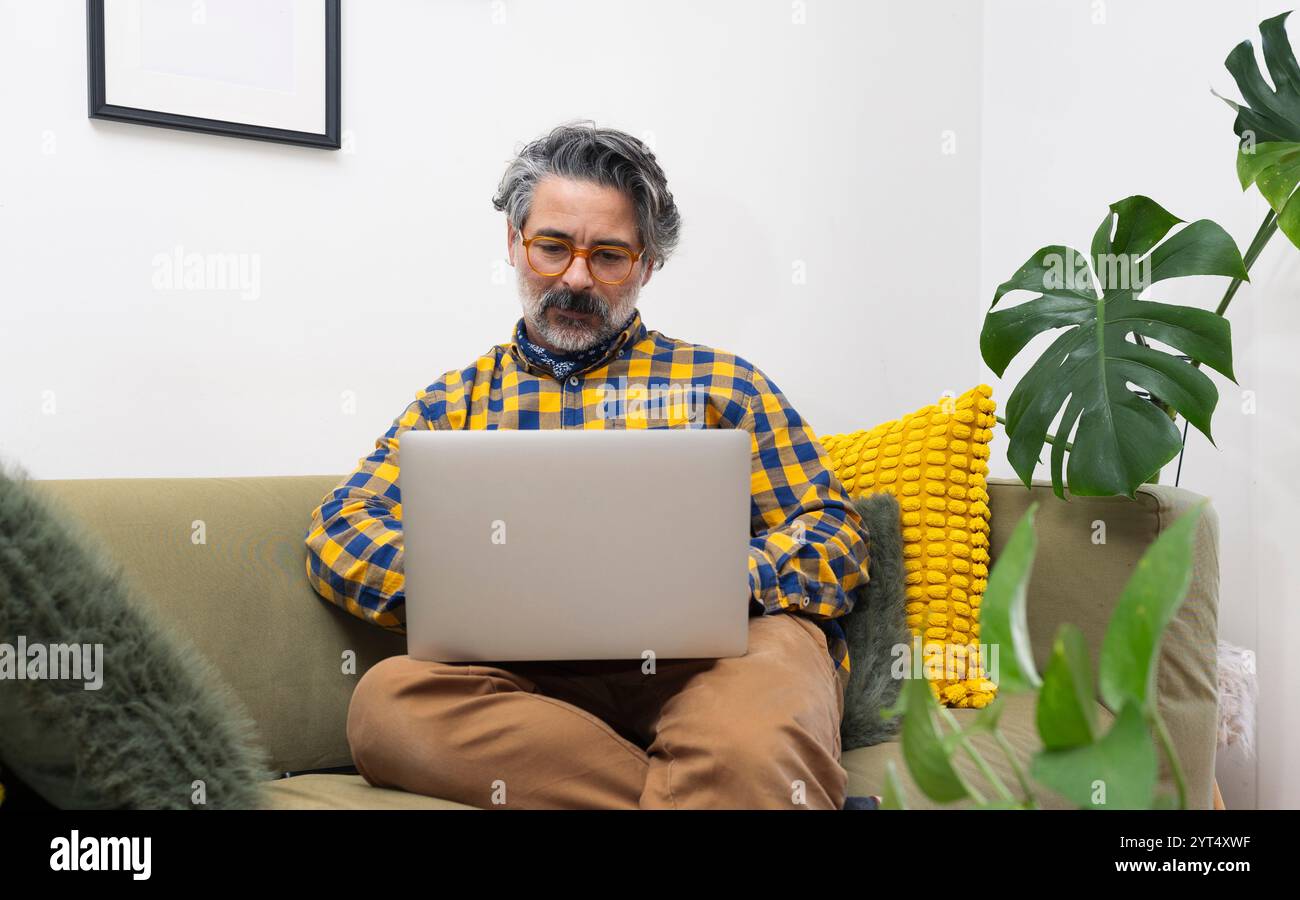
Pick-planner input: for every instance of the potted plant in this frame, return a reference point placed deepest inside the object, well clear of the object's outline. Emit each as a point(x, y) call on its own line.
point(1125, 436)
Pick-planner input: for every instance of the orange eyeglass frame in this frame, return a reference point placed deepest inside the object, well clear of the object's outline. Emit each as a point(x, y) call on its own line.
point(575, 252)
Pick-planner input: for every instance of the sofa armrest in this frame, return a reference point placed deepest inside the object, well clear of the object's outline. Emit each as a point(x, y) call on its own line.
point(1088, 548)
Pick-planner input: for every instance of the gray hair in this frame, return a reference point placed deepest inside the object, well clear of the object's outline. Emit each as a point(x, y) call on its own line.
point(579, 149)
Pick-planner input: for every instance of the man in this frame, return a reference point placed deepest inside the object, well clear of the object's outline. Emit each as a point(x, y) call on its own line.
point(588, 219)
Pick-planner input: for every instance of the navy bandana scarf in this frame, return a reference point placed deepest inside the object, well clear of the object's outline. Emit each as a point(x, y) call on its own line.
point(561, 364)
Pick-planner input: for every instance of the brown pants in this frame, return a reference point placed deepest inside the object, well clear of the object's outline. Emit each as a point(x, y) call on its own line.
point(760, 731)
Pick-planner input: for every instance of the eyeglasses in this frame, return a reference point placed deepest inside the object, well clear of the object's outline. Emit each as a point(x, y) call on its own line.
point(551, 256)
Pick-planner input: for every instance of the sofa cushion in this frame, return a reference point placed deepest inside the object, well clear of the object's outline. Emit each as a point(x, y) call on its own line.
point(343, 792)
point(874, 627)
point(141, 721)
point(866, 768)
point(935, 461)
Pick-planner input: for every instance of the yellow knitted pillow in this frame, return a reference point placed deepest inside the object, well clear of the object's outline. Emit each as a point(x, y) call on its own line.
point(935, 461)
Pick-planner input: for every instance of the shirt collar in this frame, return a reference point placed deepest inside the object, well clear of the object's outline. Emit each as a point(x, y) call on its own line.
point(561, 365)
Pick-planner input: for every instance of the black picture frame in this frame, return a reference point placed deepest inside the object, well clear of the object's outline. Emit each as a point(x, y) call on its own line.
point(99, 108)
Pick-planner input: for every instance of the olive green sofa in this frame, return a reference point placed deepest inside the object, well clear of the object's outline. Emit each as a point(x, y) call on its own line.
point(242, 597)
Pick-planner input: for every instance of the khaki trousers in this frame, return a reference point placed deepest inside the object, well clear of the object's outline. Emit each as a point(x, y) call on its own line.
point(760, 731)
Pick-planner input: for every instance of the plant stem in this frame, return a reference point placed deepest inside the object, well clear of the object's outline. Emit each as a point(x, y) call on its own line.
point(1010, 753)
point(1050, 439)
point(966, 745)
point(1267, 229)
point(1167, 743)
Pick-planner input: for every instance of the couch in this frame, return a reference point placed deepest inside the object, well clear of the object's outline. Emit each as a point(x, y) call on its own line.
point(241, 597)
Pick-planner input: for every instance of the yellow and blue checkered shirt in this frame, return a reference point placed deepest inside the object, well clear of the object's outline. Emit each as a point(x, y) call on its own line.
point(808, 549)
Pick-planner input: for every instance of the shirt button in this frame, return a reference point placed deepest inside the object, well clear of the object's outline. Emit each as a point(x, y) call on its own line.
point(806, 601)
point(573, 380)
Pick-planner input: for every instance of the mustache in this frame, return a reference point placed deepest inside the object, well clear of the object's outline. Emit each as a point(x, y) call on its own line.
point(567, 300)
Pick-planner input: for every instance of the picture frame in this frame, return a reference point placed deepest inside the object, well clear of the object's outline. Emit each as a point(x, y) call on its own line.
point(147, 65)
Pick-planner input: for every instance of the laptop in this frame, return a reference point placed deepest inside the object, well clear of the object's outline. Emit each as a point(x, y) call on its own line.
point(575, 544)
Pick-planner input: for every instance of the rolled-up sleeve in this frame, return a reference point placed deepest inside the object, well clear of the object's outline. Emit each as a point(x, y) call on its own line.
point(809, 546)
point(354, 542)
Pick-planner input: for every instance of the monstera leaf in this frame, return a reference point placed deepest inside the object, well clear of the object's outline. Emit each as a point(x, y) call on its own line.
point(1269, 153)
point(1123, 439)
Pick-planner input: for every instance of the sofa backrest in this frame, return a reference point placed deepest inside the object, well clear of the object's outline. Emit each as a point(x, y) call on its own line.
point(241, 595)
point(222, 561)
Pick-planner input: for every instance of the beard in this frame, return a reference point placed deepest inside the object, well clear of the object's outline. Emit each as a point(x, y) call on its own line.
point(573, 335)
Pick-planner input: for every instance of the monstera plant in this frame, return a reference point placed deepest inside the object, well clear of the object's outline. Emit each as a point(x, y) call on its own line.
point(1268, 152)
point(1126, 436)
point(1268, 155)
point(1123, 439)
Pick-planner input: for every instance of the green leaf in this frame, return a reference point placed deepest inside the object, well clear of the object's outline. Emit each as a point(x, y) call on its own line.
point(893, 796)
point(1202, 248)
point(1068, 294)
point(1153, 594)
point(1117, 772)
point(1138, 224)
point(1067, 707)
point(1004, 629)
point(1269, 123)
point(1275, 169)
point(1056, 271)
point(1122, 439)
point(931, 766)
point(1252, 165)
point(1272, 115)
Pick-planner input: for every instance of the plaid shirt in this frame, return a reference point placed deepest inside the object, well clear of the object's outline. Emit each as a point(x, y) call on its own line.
point(808, 548)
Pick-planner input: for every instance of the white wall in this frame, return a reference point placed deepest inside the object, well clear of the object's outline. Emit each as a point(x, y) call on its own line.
point(1089, 102)
point(818, 142)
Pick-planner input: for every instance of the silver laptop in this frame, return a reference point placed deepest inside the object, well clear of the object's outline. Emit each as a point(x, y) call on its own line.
point(571, 545)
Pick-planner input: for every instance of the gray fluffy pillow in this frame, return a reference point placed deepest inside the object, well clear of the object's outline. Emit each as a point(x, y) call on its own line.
point(162, 719)
point(876, 624)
